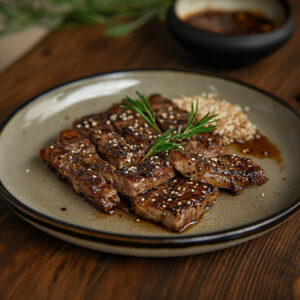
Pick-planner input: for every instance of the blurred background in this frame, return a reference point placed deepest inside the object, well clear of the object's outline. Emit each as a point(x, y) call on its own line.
point(23, 23)
point(256, 41)
point(202, 27)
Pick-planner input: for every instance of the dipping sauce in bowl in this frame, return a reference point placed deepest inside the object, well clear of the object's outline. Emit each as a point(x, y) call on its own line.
point(232, 22)
point(230, 33)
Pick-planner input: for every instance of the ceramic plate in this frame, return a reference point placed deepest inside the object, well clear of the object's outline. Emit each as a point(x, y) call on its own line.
point(38, 196)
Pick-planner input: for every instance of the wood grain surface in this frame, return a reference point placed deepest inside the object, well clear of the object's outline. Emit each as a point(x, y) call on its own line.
point(34, 265)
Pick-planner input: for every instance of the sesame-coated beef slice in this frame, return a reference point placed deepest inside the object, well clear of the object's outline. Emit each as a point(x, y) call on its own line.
point(176, 203)
point(75, 159)
point(142, 177)
point(227, 171)
point(110, 144)
point(132, 127)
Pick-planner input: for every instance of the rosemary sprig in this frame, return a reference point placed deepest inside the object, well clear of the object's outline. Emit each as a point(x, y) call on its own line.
point(143, 107)
point(169, 140)
point(163, 143)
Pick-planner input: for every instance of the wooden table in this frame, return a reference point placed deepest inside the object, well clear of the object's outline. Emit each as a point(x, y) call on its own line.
point(34, 265)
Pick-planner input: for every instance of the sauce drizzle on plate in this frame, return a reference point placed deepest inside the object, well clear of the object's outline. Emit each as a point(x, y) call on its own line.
point(260, 147)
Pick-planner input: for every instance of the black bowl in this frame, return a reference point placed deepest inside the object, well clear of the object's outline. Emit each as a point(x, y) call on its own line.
point(229, 50)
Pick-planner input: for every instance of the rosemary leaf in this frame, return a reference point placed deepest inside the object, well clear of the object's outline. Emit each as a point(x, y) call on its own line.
point(143, 108)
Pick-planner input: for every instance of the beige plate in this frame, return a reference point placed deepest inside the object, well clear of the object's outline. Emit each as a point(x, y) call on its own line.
point(37, 195)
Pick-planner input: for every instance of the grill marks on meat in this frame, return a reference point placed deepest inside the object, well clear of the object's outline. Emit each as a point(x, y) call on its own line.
point(134, 180)
point(111, 145)
point(175, 204)
point(227, 171)
point(169, 115)
point(75, 159)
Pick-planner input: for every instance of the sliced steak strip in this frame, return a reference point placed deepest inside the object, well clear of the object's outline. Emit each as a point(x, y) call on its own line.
point(134, 180)
point(227, 171)
point(132, 127)
point(175, 204)
point(111, 145)
point(208, 144)
point(169, 115)
point(75, 159)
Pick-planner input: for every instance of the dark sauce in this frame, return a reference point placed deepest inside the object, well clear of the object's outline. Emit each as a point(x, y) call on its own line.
point(260, 147)
point(232, 22)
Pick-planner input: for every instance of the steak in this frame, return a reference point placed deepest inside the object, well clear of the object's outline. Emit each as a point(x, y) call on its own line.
point(227, 171)
point(169, 115)
point(176, 203)
point(134, 180)
point(104, 155)
point(112, 146)
point(75, 159)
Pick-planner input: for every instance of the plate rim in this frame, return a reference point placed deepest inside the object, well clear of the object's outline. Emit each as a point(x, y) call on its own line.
point(119, 239)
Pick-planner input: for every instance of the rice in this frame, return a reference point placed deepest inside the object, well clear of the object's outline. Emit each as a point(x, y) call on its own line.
point(233, 124)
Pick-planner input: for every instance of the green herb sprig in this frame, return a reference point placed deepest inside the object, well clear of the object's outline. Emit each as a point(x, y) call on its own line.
point(120, 16)
point(168, 140)
point(143, 107)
